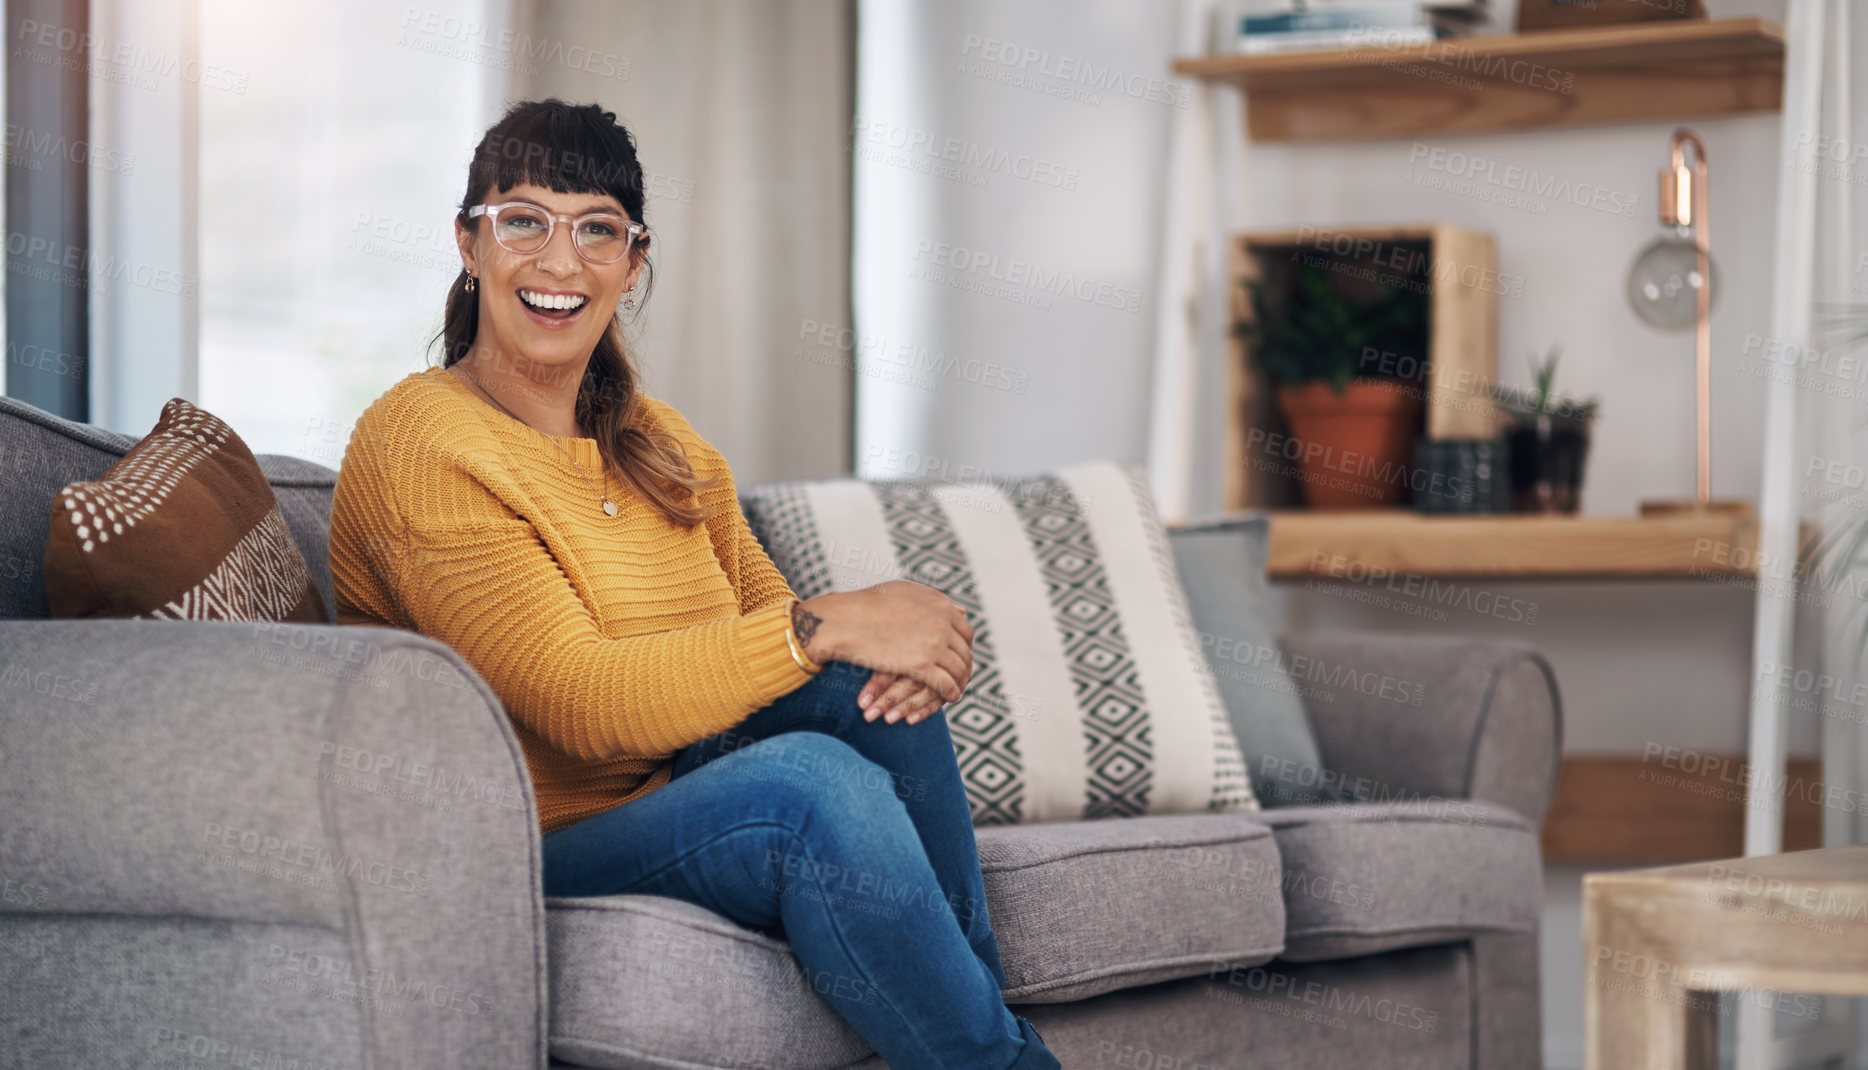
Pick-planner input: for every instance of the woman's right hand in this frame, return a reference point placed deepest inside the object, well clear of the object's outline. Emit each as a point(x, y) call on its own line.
point(900, 627)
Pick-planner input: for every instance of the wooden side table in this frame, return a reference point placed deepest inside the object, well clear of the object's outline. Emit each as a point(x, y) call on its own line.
point(1661, 944)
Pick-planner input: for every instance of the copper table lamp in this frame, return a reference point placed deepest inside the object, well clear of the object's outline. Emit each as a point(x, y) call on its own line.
point(1670, 286)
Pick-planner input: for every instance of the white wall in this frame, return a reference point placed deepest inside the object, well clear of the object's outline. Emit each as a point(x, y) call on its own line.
point(973, 172)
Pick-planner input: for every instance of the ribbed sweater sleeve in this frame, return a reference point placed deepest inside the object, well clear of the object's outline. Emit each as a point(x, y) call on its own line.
point(469, 569)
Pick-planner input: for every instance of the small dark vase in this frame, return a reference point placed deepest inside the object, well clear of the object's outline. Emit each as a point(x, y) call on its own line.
point(1455, 476)
point(1547, 453)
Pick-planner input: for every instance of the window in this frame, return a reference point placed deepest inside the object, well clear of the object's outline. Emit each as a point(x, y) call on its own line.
point(327, 191)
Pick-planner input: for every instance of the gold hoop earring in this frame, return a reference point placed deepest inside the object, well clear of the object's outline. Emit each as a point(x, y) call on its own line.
point(470, 284)
point(629, 304)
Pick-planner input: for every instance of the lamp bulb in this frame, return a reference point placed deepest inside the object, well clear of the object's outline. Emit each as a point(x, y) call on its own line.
point(1664, 283)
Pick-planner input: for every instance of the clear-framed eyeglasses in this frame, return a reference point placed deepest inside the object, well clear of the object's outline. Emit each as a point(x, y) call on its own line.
point(523, 228)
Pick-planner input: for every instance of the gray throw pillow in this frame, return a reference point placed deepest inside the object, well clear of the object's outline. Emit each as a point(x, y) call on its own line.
point(1222, 567)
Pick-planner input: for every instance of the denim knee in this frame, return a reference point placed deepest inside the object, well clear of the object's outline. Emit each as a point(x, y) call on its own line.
point(835, 690)
point(818, 773)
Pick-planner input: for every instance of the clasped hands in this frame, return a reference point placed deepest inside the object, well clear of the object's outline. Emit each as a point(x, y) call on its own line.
point(916, 640)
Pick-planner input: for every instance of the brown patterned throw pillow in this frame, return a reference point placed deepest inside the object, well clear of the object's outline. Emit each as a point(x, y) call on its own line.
point(184, 527)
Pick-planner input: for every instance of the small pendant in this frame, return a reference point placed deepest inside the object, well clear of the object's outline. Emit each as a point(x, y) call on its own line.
point(609, 507)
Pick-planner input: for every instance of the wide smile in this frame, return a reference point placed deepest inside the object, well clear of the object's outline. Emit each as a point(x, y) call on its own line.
point(553, 309)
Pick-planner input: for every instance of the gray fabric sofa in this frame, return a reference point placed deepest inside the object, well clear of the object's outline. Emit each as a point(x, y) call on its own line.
point(241, 845)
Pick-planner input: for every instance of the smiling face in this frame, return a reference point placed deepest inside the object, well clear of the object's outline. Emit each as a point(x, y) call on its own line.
point(546, 308)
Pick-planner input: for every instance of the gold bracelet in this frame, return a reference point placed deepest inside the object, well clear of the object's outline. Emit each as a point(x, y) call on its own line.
point(791, 642)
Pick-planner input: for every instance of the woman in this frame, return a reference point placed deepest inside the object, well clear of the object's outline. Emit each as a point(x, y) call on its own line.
point(692, 729)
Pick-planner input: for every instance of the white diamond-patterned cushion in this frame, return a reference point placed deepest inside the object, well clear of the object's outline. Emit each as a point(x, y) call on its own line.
point(1090, 696)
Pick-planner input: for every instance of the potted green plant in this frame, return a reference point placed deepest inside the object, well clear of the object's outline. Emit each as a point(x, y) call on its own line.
point(1355, 429)
point(1546, 440)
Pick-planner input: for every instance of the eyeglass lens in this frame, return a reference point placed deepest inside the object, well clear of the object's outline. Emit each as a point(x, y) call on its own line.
point(524, 229)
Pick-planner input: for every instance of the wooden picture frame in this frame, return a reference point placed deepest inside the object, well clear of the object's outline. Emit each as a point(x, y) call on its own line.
point(1569, 14)
point(1462, 355)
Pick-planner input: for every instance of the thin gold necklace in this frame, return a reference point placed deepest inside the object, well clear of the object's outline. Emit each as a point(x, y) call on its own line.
point(609, 507)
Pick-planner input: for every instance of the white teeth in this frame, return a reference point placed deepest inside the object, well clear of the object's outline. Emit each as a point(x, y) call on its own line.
point(539, 300)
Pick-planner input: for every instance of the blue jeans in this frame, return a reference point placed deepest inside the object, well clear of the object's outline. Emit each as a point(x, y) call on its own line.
point(851, 840)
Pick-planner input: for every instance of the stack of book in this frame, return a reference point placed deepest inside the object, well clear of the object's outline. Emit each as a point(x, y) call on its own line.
point(1302, 25)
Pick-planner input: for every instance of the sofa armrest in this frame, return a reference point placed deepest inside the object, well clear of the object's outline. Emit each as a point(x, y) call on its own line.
point(1452, 717)
point(334, 825)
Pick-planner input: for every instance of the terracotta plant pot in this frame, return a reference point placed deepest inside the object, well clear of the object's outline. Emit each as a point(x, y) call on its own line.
point(1352, 448)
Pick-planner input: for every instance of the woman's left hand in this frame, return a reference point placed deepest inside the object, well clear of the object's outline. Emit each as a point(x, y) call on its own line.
point(897, 698)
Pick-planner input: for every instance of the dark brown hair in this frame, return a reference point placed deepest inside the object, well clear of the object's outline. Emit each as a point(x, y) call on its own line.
point(574, 148)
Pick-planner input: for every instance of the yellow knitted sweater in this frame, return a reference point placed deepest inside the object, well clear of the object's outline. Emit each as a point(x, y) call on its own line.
point(612, 641)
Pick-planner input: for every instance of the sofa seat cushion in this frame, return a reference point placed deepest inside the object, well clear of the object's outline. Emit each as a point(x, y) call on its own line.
point(1363, 878)
point(644, 981)
point(1086, 907)
point(1079, 909)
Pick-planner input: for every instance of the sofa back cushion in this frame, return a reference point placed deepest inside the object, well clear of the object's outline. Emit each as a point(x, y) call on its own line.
point(1222, 567)
point(1090, 696)
point(41, 453)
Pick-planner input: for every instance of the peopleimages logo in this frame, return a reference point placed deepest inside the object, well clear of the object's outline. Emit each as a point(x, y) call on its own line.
point(1836, 159)
point(50, 684)
point(59, 147)
point(1428, 589)
point(1075, 70)
point(1359, 466)
point(870, 349)
point(1695, 986)
point(1702, 774)
point(1517, 179)
point(1399, 263)
point(344, 974)
point(1029, 275)
point(923, 150)
point(505, 49)
point(1336, 677)
point(314, 858)
point(1328, 998)
point(1836, 363)
point(1810, 898)
point(117, 61)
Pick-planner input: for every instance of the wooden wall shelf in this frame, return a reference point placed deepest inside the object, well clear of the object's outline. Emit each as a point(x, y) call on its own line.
point(1607, 74)
point(1615, 809)
point(1348, 546)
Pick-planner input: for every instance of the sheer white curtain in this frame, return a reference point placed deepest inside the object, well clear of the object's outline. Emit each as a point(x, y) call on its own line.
point(1836, 471)
point(1825, 685)
point(144, 285)
point(740, 113)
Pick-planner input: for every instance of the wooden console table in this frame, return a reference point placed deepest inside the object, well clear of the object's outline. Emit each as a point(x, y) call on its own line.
point(1660, 944)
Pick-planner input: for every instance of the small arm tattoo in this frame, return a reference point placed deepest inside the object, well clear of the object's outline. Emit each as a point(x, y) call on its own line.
point(804, 623)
